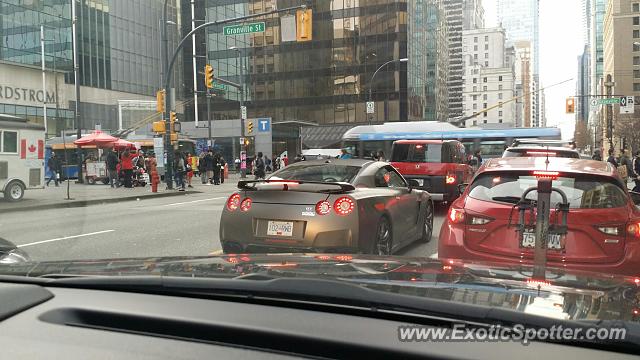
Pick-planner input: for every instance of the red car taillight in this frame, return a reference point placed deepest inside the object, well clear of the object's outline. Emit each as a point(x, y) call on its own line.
point(245, 205)
point(233, 202)
point(344, 206)
point(456, 216)
point(451, 179)
point(323, 207)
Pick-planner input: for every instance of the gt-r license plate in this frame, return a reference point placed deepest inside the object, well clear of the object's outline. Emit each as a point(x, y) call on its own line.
point(280, 228)
point(529, 241)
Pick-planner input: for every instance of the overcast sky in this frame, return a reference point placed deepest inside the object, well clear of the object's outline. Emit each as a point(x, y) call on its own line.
point(561, 42)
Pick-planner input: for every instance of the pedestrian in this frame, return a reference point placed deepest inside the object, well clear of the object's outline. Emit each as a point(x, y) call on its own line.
point(112, 168)
point(236, 163)
point(597, 155)
point(223, 164)
point(275, 163)
point(267, 163)
point(126, 165)
point(636, 169)
point(284, 161)
point(194, 164)
point(612, 158)
point(140, 160)
point(209, 164)
point(345, 154)
point(202, 167)
point(189, 169)
point(626, 161)
point(179, 166)
point(216, 169)
point(259, 167)
point(54, 169)
point(380, 156)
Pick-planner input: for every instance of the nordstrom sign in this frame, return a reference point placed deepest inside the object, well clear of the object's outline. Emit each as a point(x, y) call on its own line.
point(22, 95)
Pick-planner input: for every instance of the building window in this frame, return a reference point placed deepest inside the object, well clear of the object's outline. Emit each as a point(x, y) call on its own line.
point(500, 78)
point(636, 74)
point(485, 115)
point(484, 88)
point(500, 87)
point(636, 60)
point(484, 121)
point(475, 97)
point(486, 46)
point(9, 142)
point(475, 106)
point(635, 7)
point(499, 113)
point(636, 34)
point(486, 38)
point(475, 88)
point(475, 39)
point(475, 56)
point(500, 96)
point(486, 55)
point(500, 105)
point(475, 122)
point(636, 47)
point(636, 20)
point(485, 106)
point(486, 63)
point(475, 47)
point(500, 121)
point(484, 80)
point(636, 86)
point(484, 97)
point(475, 80)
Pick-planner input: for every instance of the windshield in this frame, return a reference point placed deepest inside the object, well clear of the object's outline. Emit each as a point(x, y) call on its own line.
point(420, 153)
point(343, 133)
point(582, 191)
point(320, 172)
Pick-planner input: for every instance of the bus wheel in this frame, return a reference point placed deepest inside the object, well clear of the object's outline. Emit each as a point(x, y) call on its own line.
point(14, 191)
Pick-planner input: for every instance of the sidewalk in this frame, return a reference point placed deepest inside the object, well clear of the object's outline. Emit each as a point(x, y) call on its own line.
point(53, 197)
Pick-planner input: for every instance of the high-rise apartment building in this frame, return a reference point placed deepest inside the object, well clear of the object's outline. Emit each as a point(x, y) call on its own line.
point(582, 99)
point(488, 78)
point(596, 64)
point(461, 15)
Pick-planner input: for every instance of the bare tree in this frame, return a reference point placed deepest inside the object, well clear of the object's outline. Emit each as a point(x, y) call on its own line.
point(582, 135)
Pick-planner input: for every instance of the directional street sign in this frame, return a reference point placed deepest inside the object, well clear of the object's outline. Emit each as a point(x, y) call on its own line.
point(627, 105)
point(609, 101)
point(370, 107)
point(244, 29)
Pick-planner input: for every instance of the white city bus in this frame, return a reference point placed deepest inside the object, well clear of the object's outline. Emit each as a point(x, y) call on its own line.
point(21, 157)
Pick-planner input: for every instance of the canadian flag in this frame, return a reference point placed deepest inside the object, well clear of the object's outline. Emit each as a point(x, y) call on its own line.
point(31, 149)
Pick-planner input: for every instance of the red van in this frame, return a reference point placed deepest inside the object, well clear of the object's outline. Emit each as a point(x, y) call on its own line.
point(438, 165)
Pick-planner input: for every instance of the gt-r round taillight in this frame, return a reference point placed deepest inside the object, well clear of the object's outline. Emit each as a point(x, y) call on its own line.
point(344, 206)
point(233, 202)
point(323, 207)
point(245, 205)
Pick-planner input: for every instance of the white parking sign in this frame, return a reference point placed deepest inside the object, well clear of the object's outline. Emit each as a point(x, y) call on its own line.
point(627, 105)
point(370, 107)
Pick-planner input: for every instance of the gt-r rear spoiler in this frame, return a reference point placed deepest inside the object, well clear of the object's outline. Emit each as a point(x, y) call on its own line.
point(288, 184)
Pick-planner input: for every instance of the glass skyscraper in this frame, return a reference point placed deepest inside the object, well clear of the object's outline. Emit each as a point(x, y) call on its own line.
point(327, 80)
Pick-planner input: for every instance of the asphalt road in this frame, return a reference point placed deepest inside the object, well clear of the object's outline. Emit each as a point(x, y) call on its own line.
point(171, 226)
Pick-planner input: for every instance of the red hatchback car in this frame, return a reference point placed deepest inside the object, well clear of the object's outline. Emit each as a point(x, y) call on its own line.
point(603, 223)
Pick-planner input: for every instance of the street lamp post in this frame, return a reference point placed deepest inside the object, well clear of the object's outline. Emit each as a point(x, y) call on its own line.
point(243, 146)
point(376, 73)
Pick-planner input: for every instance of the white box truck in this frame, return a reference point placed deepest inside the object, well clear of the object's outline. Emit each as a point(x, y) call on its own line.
point(21, 157)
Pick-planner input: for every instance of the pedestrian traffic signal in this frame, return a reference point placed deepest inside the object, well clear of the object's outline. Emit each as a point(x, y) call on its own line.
point(249, 127)
point(303, 25)
point(208, 76)
point(571, 106)
point(160, 94)
point(159, 126)
point(174, 138)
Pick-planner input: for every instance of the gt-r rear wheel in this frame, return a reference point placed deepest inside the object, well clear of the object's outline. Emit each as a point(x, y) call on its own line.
point(427, 226)
point(384, 238)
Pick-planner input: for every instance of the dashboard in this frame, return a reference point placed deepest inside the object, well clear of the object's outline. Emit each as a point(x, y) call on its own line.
point(54, 322)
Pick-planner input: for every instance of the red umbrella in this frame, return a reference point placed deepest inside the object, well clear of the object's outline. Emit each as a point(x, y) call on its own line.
point(97, 138)
point(122, 144)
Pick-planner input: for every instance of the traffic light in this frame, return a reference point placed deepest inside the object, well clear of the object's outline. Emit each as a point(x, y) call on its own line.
point(571, 106)
point(208, 76)
point(304, 25)
point(249, 127)
point(160, 101)
point(159, 126)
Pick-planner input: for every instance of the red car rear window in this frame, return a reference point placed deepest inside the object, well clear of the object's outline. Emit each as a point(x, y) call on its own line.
point(583, 191)
point(419, 153)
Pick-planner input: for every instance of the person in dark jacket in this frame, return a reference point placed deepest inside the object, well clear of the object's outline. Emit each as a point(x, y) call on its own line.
point(222, 163)
point(597, 155)
point(636, 168)
point(112, 168)
point(208, 165)
point(612, 158)
point(260, 167)
point(216, 169)
point(54, 169)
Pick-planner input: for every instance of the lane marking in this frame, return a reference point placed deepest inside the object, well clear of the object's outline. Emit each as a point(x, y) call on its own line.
point(195, 201)
point(217, 252)
point(66, 238)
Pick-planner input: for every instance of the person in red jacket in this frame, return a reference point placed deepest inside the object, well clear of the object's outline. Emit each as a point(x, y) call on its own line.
point(126, 164)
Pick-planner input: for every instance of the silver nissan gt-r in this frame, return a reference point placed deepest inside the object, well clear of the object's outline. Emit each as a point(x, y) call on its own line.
point(347, 206)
